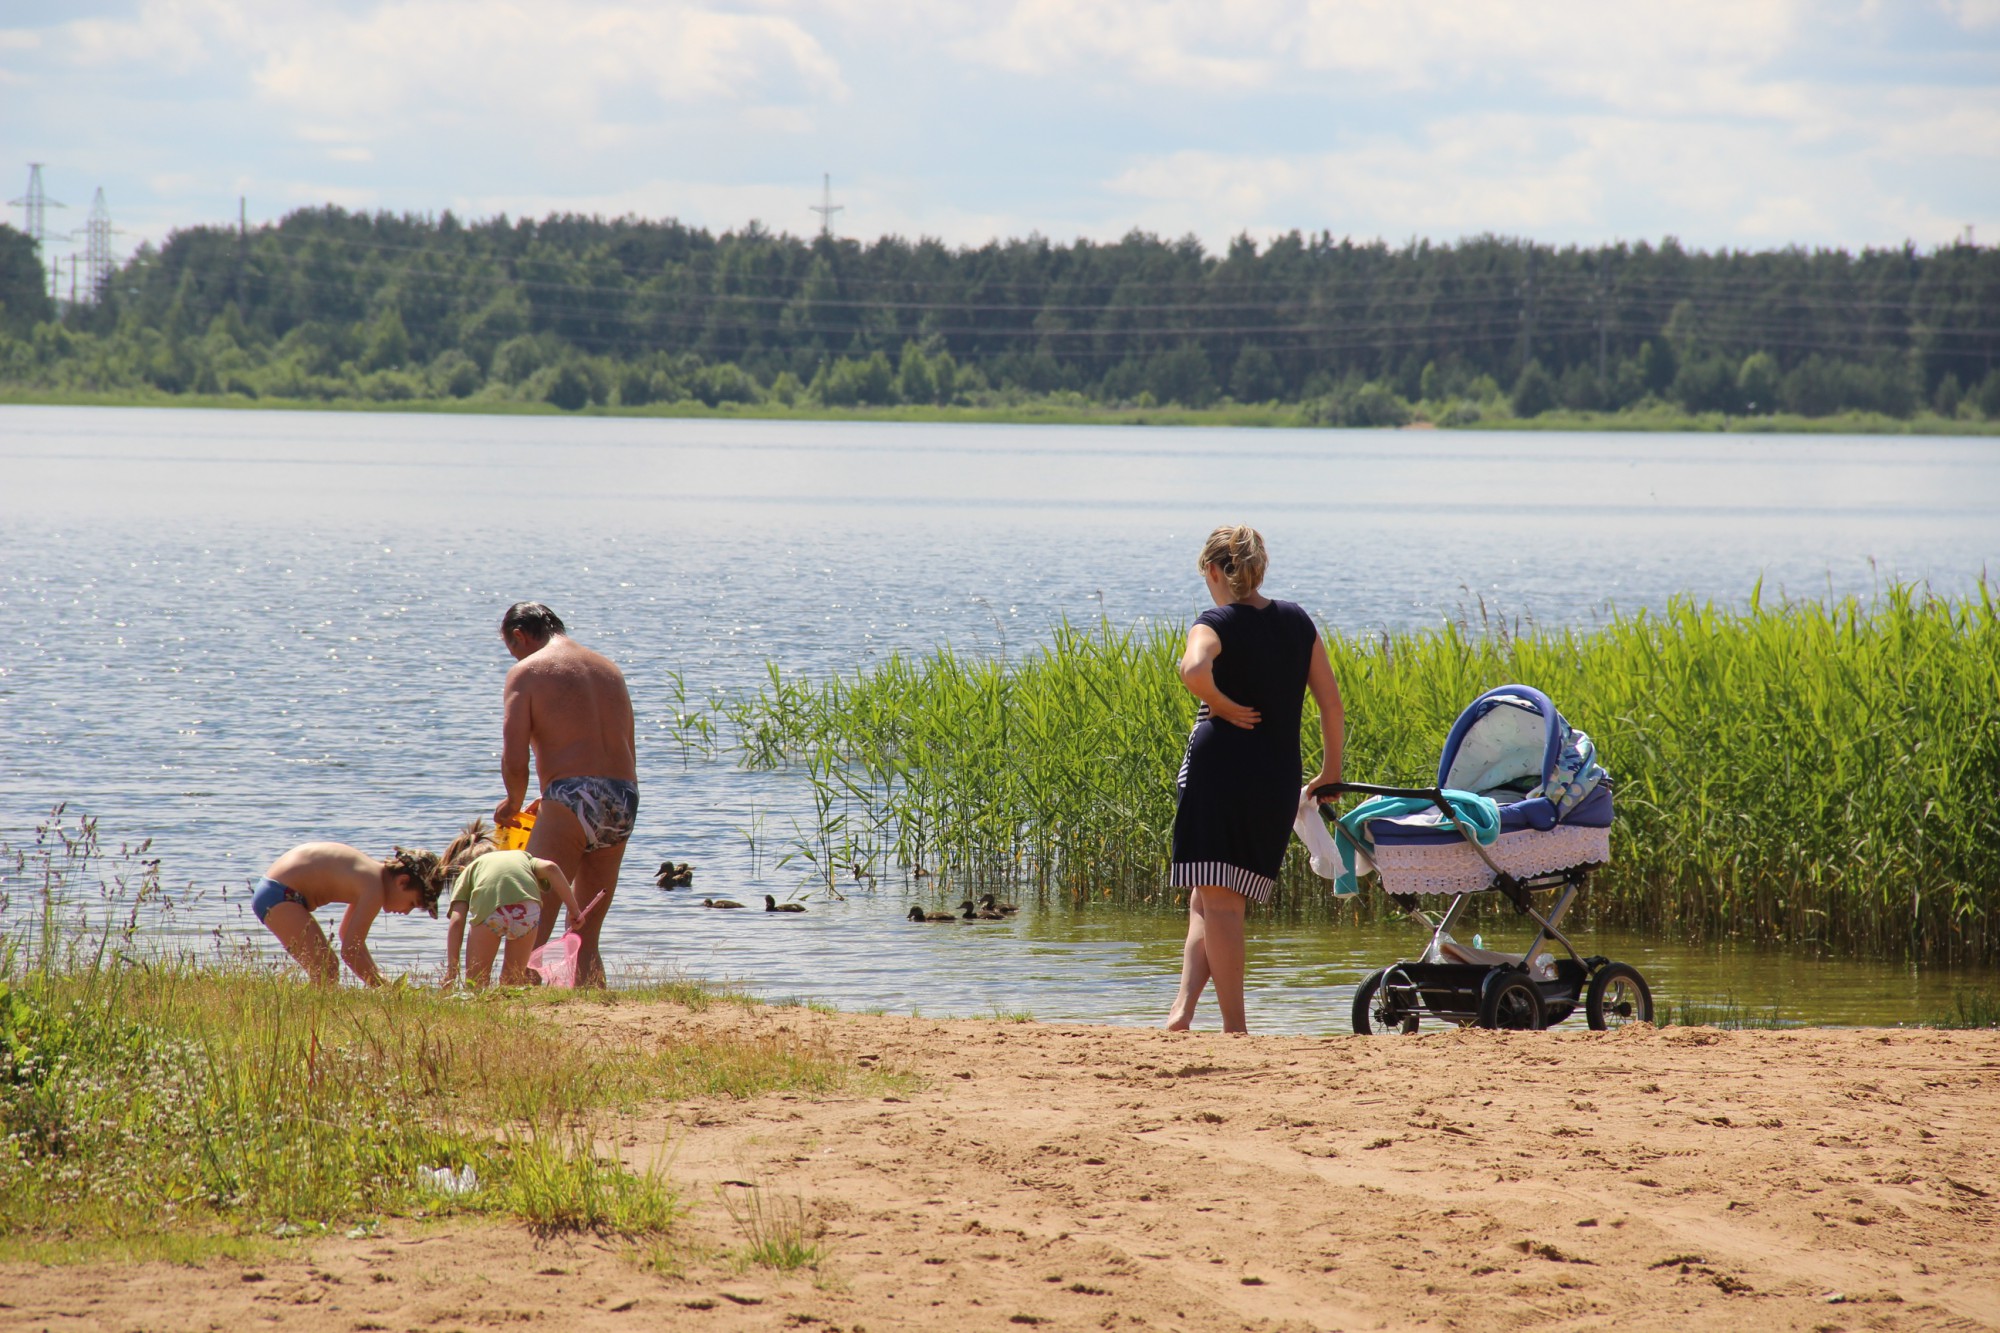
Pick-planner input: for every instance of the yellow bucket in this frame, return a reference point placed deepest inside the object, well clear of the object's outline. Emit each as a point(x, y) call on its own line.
point(515, 837)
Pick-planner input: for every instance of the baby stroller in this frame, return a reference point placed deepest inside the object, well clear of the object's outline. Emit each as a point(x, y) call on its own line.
point(1553, 827)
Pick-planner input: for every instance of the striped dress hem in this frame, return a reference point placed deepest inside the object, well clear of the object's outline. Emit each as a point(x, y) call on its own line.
point(1198, 874)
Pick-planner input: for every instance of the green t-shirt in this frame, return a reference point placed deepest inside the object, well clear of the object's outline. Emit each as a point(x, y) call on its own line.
point(496, 880)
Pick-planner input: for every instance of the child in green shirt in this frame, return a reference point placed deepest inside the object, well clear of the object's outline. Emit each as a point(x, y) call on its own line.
point(500, 892)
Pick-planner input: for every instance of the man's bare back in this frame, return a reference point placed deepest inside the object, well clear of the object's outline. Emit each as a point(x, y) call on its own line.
point(571, 708)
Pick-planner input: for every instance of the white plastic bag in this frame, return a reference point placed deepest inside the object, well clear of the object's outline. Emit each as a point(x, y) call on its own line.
point(446, 1181)
point(1313, 832)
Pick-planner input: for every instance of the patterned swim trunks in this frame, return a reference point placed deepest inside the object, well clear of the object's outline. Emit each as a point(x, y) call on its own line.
point(514, 920)
point(606, 807)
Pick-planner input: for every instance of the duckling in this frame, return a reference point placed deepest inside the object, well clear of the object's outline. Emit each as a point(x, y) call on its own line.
point(986, 903)
point(719, 902)
point(674, 876)
point(967, 912)
point(773, 905)
point(917, 913)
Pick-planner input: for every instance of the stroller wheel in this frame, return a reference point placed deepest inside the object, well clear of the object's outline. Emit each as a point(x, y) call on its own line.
point(1618, 995)
point(1508, 999)
point(1376, 1014)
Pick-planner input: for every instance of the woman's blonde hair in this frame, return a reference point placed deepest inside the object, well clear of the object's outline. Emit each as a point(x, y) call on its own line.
point(1239, 549)
point(473, 841)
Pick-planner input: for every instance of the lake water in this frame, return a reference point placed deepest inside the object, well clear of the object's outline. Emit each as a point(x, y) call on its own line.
point(235, 631)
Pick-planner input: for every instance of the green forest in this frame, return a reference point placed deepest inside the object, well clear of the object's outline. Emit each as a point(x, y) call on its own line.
point(332, 306)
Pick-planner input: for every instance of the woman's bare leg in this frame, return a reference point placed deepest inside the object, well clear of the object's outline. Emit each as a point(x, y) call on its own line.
point(1194, 967)
point(1222, 938)
point(480, 946)
point(1214, 953)
point(304, 941)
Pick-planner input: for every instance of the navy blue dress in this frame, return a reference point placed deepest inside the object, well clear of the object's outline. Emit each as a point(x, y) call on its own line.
point(1239, 790)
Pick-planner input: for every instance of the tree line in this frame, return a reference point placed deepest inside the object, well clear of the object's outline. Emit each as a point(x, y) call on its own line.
point(327, 303)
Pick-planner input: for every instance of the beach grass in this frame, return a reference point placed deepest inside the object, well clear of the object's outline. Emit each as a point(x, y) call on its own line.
point(1812, 774)
point(1973, 1008)
point(779, 1232)
point(1718, 1012)
point(149, 1096)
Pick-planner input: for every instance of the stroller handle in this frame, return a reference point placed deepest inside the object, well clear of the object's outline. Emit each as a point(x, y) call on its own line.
point(1370, 789)
point(1435, 795)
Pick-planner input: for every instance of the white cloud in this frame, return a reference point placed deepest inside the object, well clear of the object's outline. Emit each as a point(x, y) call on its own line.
point(1179, 42)
point(560, 66)
point(1549, 39)
point(1499, 173)
point(175, 36)
point(527, 63)
point(1557, 177)
point(1400, 43)
point(1973, 13)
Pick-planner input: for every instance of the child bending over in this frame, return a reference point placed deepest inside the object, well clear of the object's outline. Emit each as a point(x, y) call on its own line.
point(316, 874)
point(500, 893)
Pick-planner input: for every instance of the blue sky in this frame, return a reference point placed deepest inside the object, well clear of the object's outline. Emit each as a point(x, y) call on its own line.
point(1727, 123)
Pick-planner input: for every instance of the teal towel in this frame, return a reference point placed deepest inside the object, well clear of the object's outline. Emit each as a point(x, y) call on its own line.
point(1350, 831)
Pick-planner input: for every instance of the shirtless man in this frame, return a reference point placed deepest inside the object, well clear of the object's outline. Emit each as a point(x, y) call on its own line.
point(569, 707)
point(315, 874)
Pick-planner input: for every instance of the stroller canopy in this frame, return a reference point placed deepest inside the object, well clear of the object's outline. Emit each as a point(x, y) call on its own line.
point(1511, 743)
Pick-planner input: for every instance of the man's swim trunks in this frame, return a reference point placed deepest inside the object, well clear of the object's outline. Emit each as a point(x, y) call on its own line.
point(270, 893)
point(606, 807)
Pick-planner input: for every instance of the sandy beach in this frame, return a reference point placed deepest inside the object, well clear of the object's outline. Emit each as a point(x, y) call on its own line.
point(1029, 1175)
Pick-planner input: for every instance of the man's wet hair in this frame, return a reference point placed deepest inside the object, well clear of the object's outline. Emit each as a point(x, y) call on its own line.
point(532, 619)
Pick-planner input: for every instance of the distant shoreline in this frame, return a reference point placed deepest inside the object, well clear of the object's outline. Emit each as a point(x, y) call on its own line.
point(1046, 412)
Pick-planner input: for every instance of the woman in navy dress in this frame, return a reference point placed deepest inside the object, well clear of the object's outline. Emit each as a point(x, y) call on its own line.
point(1250, 661)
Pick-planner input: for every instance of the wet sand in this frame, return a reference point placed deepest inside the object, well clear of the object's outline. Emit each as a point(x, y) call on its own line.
point(1059, 1177)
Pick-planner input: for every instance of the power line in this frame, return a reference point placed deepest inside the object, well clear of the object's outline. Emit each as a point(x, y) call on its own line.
point(1372, 290)
point(1437, 321)
point(1355, 334)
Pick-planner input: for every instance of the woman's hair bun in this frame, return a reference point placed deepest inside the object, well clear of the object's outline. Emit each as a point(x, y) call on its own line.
point(1238, 550)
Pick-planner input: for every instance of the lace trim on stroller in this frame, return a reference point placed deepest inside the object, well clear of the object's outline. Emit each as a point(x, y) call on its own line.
point(1454, 867)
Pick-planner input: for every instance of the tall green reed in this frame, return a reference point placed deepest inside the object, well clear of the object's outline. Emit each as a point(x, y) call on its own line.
point(1818, 774)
